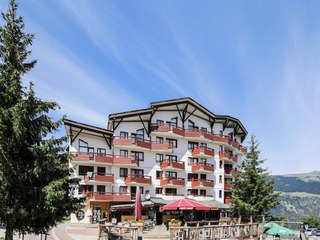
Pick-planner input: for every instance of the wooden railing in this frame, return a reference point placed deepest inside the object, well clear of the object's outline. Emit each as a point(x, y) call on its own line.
point(237, 231)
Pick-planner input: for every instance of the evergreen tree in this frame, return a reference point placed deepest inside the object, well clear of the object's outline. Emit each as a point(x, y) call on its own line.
point(253, 192)
point(36, 187)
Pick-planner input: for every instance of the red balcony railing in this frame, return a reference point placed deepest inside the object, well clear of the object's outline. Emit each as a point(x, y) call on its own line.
point(108, 196)
point(192, 132)
point(172, 164)
point(134, 178)
point(228, 155)
point(202, 183)
point(160, 145)
point(161, 128)
point(203, 151)
point(125, 160)
point(108, 158)
point(172, 181)
point(123, 140)
point(197, 167)
point(227, 186)
point(227, 200)
point(108, 177)
point(222, 138)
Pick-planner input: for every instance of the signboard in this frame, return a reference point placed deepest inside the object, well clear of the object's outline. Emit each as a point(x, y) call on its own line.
point(80, 215)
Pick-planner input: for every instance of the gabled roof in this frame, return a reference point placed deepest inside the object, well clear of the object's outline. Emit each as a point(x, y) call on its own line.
point(187, 106)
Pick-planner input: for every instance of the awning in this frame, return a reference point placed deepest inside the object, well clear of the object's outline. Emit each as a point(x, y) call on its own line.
point(130, 206)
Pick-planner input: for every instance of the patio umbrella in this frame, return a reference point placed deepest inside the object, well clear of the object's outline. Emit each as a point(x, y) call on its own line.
point(280, 231)
point(270, 225)
point(185, 204)
point(137, 205)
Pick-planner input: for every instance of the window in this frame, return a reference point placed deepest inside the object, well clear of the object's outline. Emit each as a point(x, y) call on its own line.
point(101, 189)
point(83, 146)
point(203, 176)
point(171, 191)
point(172, 142)
point(192, 145)
point(220, 193)
point(123, 189)
point(203, 192)
point(204, 145)
point(101, 170)
point(204, 130)
point(137, 155)
point(192, 175)
point(171, 157)
point(123, 153)
point(171, 174)
point(123, 172)
point(192, 161)
point(158, 174)
point(85, 188)
point(203, 160)
point(193, 192)
point(220, 178)
point(138, 172)
point(174, 121)
point(160, 122)
point(190, 125)
point(158, 190)
point(133, 190)
point(101, 151)
point(221, 133)
point(84, 169)
point(140, 134)
point(124, 134)
point(159, 140)
point(159, 158)
point(220, 164)
point(220, 149)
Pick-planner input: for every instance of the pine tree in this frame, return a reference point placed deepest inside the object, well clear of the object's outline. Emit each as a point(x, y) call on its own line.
point(253, 192)
point(36, 187)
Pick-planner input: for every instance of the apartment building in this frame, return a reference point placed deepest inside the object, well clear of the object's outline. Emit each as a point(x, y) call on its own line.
point(172, 149)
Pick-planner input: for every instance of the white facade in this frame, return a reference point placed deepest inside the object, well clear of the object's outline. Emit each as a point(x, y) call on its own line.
point(172, 149)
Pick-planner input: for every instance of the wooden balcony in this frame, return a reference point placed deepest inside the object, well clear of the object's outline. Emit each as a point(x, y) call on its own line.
point(161, 128)
point(227, 186)
point(106, 178)
point(192, 133)
point(178, 131)
point(143, 143)
point(228, 156)
point(133, 179)
point(161, 146)
point(122, 141)
point(202, 167)
point(205, 183)
point(208, 135)
point(109, 196)
point(243, 149)
point(172, 181)
point(82, 157)
point(172, 164)
point(222, 139)
point(125, 160)
point(108, 158)
point(203, 152)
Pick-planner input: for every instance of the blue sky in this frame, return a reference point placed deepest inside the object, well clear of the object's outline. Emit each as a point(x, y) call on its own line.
point(257, 61)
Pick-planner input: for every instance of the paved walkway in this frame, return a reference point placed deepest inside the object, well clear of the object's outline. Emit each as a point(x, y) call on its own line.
point(68, 231)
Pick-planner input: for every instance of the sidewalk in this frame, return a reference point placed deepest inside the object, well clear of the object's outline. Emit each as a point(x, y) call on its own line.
point(68, 231)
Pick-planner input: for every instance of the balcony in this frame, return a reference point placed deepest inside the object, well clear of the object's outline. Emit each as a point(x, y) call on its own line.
point(122, 141)
point(125, 160)
point(109, 196)
point(205, 183)
point(192, 133)
point(172, 181)
point(83, 157)
point(106, 178)
point(222, 139)
point(133, 179)
point(131, 142)
point(165, 129)
point(203, 152)
point(172, 165)
point(108, 158)
point(161, 146)
point(224, 155)
point(202, 167)
point(227, 186)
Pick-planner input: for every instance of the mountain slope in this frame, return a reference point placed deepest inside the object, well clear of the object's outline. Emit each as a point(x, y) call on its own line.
point(300, 195)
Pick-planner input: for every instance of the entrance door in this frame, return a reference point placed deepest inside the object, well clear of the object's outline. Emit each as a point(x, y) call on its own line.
point(96, 214)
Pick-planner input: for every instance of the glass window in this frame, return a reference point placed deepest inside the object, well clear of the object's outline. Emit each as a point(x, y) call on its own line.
point(101, 170)
point(174, 121)
point(158, 174)
point(137, 155)
point(204, 145)
point(173, 142)
point(203, 176)
point(84, 169)
point(123, 189)
point(171, 157)
point(190, 125)
point(192, 161)
point(123, 172)
point(159, 139)
point(171, 174)
point(158, 190)
point(192, 145)
point(83, 146)
point(220, 178)
point(220, 193)
point(171, 191)
point(160, 122)
point(139, 172)
point(220, 164)
point(140, 134)
point(101, 151)
point(192, 175)
point(193, 192)
point(101, 189)
point(124, 134)
point(123, 153)
point(203, 192)
point(159, 158)
point(85, 188)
